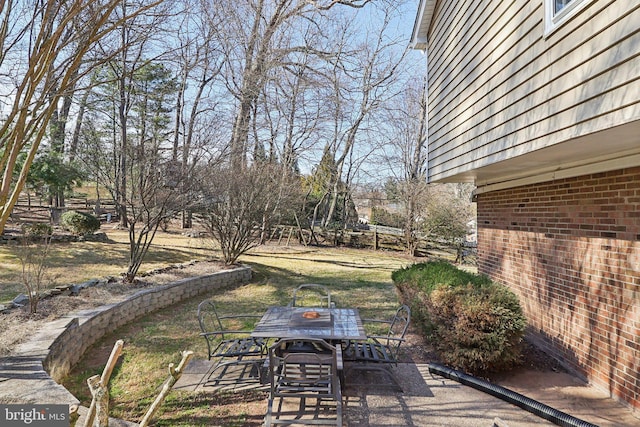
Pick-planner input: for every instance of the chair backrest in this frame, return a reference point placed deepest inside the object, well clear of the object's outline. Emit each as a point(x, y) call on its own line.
point(307, 372)
point(398, 327)
point(208, 317)
point(311, 295)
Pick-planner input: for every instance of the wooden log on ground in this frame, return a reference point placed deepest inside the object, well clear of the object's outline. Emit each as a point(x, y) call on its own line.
point(106, 375)
point(174, 376)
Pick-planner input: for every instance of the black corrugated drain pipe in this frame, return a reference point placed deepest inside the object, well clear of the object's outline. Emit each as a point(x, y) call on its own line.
point(548, 413)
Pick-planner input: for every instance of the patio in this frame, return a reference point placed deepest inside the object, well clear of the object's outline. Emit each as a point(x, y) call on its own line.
point(430, 400)
point(424, 399)
point(412, 395)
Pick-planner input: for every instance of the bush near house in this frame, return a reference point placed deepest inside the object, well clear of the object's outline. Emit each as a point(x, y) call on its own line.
point(475, 325)
point(80, 223)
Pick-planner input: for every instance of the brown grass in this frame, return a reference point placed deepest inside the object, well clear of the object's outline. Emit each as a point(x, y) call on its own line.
point(76, 262)
point(356, 278)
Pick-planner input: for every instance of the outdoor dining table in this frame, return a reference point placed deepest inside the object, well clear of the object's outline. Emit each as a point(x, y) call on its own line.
point(331, 324)
point(334, 325)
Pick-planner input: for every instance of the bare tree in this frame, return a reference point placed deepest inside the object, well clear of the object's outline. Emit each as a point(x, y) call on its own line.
point(129, 130)
point(408, 136)
point(42, 51)
point(448, 212)
point(134, 39)
point(264, 29)
point(235, 203)
point(153, 179)
point(199, 60)
point(362, 81)
point(288, 123)
point(34, 259)
point(151, 200)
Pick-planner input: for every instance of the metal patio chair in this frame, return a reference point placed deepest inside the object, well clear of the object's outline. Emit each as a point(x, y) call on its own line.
point(229, 339)
point(304, 375)
point(311, 295)
point(380, 351)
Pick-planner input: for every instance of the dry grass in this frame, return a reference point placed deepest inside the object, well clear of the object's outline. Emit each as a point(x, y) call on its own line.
point(76, 262)
point(356, 278)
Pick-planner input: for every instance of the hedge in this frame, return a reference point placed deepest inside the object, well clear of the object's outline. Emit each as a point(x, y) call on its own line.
point(80, 223)
point(475, 325)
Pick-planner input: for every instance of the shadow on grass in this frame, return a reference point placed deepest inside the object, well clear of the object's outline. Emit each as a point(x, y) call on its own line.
point(219, 409)
point(155, 340)
point(332, 261)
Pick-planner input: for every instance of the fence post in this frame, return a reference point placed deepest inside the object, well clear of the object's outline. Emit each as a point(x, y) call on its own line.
point(375, 237)
point(104, 379)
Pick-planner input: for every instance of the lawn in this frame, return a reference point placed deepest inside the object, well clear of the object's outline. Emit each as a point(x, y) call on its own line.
point(357, 279)
point(75, 262)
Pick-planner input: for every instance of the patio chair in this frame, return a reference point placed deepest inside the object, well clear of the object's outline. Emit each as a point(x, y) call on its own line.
point(304, 374)
point(383, 348)
point(311, 295)
point(380, 351)
point(232, 345)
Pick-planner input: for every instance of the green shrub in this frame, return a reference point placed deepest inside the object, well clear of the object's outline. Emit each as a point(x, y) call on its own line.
point(79, 223)
point(426, 276)
point(38, 229)
point(475, 325)
point(476, 328)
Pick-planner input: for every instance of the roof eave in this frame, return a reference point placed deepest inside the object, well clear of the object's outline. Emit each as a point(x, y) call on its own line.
point(419, 37)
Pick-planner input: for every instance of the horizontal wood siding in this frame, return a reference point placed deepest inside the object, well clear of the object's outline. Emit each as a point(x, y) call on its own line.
point(499, 89)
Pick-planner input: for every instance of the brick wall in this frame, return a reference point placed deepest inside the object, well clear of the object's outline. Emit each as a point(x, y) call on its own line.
point(571, 250)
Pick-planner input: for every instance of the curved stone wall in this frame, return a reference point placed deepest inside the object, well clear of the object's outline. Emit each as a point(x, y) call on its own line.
point(30, 375)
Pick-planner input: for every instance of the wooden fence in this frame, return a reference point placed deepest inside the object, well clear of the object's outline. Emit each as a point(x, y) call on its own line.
point(31, 208)
point(376, 238)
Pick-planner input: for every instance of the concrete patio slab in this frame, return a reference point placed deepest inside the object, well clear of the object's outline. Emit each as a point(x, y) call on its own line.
point(412, 396)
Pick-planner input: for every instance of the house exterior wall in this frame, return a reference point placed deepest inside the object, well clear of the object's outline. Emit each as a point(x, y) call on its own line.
point(570, 249)
point(547, 125)
point(499, 88)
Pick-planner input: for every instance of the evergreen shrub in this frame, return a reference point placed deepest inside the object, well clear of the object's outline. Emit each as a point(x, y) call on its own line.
point(38, 229)
point(80, 223)
point(475, 325)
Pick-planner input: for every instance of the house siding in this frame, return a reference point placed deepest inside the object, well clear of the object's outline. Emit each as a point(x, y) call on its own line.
point(570, 249)
point(499, 89)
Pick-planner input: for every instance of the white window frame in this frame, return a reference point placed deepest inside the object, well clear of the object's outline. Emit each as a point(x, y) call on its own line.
point(553, 21)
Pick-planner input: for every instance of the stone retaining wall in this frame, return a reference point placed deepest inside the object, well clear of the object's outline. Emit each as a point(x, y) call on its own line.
point(30, 375)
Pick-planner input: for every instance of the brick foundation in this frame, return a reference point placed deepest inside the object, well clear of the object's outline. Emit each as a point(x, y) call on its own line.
point(570, 249)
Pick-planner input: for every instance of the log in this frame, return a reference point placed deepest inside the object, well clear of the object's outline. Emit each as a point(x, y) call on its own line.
point(106, 375)
point(289, 237)
point(73, 415)
point(281, 236)
point(101, 397)
point(174, 376)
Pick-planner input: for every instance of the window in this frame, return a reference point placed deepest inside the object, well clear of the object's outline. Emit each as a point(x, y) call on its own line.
point(558, 5)
point(558, 11)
